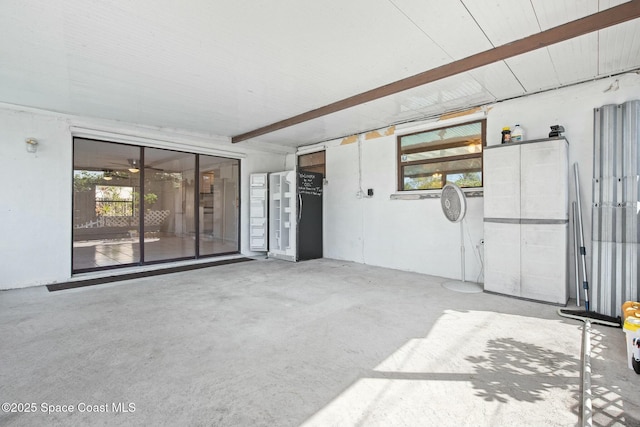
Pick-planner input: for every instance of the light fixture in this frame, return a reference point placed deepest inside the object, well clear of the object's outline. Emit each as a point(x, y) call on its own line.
point(473, 148)
point(32, 145)
point(135, 166)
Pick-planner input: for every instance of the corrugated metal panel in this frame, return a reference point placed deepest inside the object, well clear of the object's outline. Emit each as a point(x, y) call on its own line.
point(616, 200)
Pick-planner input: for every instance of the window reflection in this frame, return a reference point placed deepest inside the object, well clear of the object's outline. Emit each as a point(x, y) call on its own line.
point(430, 159)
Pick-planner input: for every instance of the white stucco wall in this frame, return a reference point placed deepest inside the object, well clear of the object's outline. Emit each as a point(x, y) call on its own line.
point(405, 234)
point(35, 206)
point(413, 234)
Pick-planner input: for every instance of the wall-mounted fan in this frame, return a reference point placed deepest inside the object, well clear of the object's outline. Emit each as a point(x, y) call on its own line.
point(454, 207)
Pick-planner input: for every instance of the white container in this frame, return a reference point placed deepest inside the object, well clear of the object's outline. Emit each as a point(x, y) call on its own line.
point(517, 134)
point(631, 329)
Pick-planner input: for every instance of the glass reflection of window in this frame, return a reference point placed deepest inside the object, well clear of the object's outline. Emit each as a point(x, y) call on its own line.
point(428, 160)
point(114, 200)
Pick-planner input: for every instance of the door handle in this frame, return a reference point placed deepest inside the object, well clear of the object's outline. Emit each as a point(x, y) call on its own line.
point(299, 207)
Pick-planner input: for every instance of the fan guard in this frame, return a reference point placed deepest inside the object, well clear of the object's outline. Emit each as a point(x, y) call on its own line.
point(454, 204)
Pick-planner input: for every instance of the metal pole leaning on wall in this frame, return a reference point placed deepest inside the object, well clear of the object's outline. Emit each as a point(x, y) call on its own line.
point(584, 315)
point(576, 252)
point(583, 250)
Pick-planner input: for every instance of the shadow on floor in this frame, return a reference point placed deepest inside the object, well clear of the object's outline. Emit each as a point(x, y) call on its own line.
point(612, 393)
point(472, 368)
point(510, 363)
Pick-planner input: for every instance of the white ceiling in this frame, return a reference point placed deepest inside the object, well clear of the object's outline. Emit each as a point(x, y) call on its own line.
point(226, 67)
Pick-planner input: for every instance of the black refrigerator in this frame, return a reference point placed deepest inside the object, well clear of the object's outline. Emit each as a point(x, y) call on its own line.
point(295, 215)
point(309, 224)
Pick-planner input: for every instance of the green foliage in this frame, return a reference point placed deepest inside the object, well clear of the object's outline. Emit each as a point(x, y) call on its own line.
point(431, 182)
point(150, 199)
point(114, 200)
point(423, 183)
point(85, 180)
point(469, 179)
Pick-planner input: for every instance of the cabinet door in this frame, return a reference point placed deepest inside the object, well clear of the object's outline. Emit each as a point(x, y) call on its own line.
point(502, 258)
point(544, 262)
point(502, 182)
point(289, 213)
point(258, 224)
point(310, 214)
point(275, 213)
point(545, 180)
point(282, 215)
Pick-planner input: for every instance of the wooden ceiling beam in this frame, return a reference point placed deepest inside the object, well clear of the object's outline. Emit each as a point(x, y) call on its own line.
point(588, 24)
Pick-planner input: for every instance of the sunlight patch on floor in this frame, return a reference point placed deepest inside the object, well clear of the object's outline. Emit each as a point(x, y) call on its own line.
point(472, 368)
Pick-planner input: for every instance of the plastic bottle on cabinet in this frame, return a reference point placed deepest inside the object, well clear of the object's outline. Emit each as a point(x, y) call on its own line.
point(517, 134)
point(506, 134)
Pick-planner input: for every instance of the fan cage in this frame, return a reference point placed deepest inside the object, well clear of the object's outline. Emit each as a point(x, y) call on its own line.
point(453, 202)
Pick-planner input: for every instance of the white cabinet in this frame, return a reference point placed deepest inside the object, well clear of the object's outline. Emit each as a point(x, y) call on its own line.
point(502, 257)
point(258, 221)
point(502, 181)
point(526, 219)
point(282, 215)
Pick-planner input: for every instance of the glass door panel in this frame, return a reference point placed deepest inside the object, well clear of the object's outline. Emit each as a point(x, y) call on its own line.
point(105, 225)
point(125, 196)
point(218, 210)
point(169, 201)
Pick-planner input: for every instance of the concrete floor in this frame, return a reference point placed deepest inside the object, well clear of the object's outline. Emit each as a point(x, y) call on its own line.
point(317, 343)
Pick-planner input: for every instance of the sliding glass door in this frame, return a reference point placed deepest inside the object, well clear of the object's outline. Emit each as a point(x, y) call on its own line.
point(105, 226)
point(169, 198)
point(218, 209)
point(139, 205)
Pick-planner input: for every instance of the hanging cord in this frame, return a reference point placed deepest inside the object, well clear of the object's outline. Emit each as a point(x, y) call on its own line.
point(481, 274)
point(476, 252)
point(360, 162)
point(359, 195)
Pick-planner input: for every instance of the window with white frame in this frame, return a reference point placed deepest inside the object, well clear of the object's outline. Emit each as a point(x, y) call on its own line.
point(428, 160)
